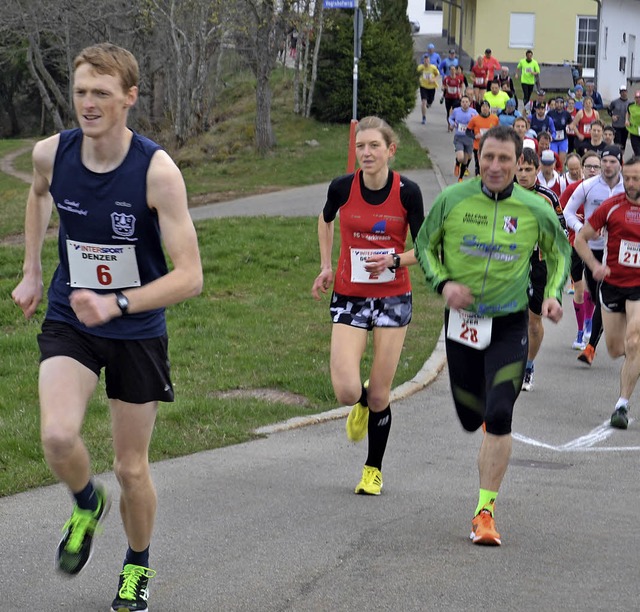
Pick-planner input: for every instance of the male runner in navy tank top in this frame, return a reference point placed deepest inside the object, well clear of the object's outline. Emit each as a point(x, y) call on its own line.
point(116, 194)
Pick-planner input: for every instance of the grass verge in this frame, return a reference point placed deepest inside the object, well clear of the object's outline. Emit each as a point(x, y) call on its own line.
point(255, 326)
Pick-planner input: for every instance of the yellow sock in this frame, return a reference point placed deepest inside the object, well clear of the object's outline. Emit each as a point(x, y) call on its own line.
point(486, 501)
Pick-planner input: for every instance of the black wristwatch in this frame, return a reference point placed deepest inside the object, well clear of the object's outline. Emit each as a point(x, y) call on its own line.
point(396, 262)
point(123, 302)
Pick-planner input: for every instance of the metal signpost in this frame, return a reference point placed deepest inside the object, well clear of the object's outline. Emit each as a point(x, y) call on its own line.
point(358, 23)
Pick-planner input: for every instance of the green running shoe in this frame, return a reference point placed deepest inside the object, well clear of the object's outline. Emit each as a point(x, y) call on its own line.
point(358, 420)
point(620, 418)
point(76, 546)
point(133, 589)
point(371, 482)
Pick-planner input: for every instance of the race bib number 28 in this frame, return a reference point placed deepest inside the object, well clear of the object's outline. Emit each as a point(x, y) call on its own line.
point(469, 328)
point(102, 266)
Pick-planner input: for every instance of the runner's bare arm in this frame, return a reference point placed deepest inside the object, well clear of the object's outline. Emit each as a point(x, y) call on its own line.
point(324, 279)
point(28, 293)
point(581, 245)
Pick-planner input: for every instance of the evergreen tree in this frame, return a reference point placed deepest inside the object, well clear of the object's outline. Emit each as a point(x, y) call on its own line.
point(387, 80)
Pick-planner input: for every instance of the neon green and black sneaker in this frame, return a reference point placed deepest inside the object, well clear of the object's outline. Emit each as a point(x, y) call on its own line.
point(620, 417)
point(133, 589)
point(358, 421)
point(371, 481)
point(76, 546)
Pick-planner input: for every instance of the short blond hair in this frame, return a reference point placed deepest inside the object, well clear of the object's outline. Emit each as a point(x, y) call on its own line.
point(107, 58)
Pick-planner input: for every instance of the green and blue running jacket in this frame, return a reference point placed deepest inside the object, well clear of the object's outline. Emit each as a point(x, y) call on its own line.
point(485, 240)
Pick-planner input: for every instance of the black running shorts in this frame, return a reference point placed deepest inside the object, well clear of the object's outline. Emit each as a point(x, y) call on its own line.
point(537, 283)
point(486, 383)
point(577, 266)
point(136, 371)
point(613, 299)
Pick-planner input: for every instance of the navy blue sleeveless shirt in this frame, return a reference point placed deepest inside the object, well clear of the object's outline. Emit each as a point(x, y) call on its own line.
point(109, 238)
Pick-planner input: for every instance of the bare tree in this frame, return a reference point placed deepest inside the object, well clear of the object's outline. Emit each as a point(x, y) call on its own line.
point(54, 31)
point(318, 24)
point(195, 31)
point(309, 27)
point(258, 38)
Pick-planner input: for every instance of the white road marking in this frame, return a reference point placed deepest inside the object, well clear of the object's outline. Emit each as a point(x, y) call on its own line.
point(583, 443)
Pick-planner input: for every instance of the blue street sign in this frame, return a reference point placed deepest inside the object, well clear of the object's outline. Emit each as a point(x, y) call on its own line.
point(340, 4)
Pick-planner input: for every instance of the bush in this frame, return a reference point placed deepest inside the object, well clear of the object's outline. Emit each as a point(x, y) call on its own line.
point(387, 79)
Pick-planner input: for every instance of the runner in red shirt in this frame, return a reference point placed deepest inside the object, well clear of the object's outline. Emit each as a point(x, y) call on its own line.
point(452, 87)
point(372, 291)
point(619, 218)
point(583, 305)
point(491, 64)
point(480, 73)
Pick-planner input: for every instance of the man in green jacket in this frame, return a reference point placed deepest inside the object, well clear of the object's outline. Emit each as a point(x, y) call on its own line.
point(474, 248)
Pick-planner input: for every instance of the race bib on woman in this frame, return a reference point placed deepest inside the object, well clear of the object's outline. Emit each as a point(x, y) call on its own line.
point(360, 275)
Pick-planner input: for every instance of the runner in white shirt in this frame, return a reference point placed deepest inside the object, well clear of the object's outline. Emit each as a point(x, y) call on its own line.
point(573, 164)
point(548, 177)
point(591, 193)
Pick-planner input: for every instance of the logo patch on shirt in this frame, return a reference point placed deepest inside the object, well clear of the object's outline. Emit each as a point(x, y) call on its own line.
point(380, 227)
point(510, 225)
point(124, 226)
point(633, 216)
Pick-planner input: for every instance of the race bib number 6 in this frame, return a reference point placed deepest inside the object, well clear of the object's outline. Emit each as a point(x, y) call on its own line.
point(102, 266)
point(469, 328)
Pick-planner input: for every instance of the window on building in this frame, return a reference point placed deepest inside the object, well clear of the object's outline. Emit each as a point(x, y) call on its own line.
point(433, 5)
point(522, 30)
point(587, 40)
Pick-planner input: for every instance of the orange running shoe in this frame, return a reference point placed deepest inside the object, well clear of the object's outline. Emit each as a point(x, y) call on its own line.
point(483, 529)
point(588, 355)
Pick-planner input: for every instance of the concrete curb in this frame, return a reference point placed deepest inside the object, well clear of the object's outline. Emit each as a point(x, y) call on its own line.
point(424, 377)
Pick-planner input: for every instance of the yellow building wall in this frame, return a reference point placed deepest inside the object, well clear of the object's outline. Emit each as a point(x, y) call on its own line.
point(486, 24)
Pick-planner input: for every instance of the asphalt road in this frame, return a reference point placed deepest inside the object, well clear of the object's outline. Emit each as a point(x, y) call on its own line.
point(273, 525)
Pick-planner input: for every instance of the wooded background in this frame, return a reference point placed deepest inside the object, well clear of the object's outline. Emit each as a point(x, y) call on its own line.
point(185, 48)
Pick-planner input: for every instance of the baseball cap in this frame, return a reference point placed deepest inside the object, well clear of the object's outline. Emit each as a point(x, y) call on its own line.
point(511, 102)
point(487, 50)
point(622, 88)
point(541, 92)
point(614, 151)
point(578, 87)
point(452, 50)
point(548, 158)
point(431, 46)
point(528, 144)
